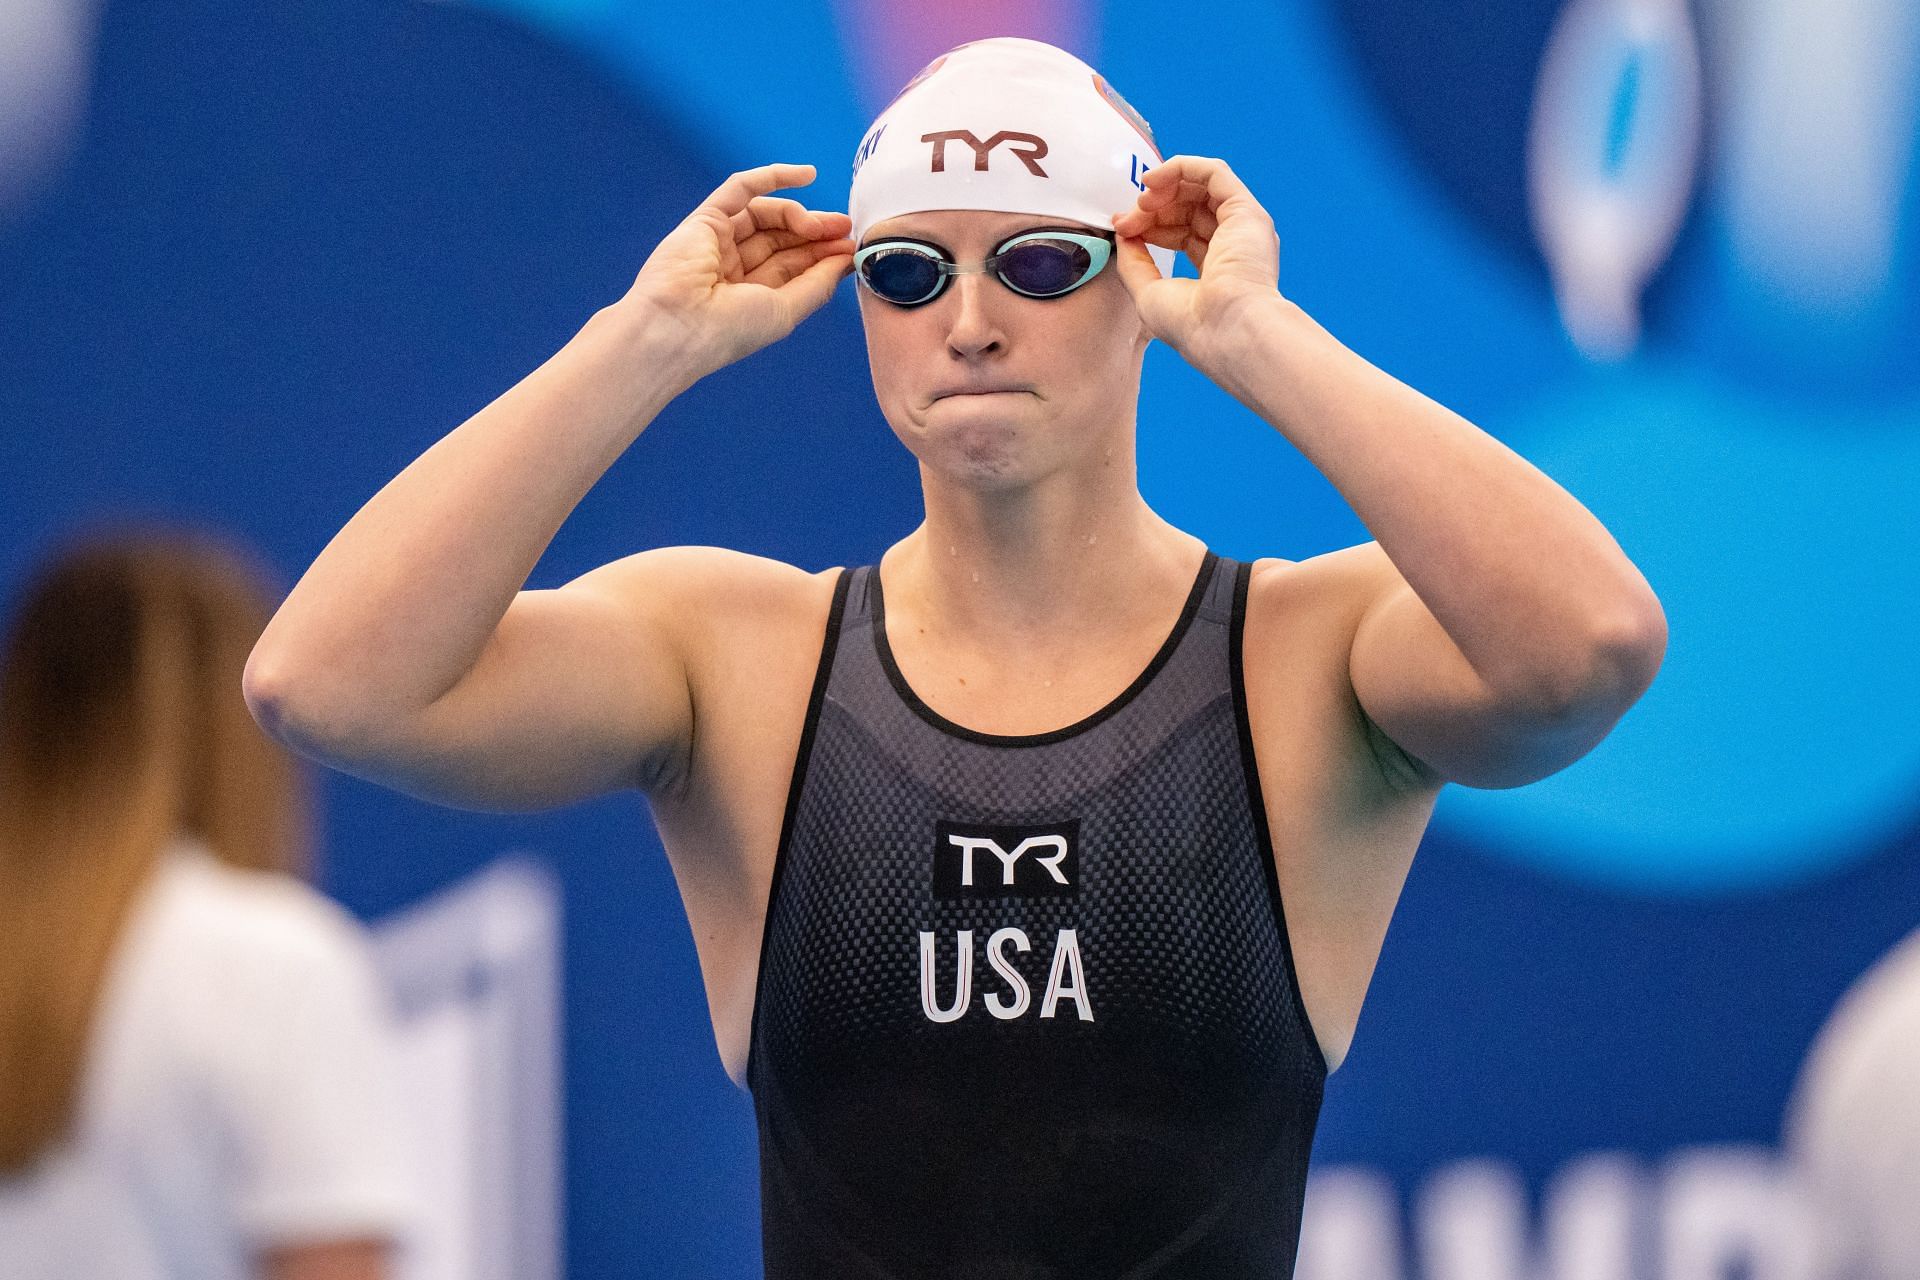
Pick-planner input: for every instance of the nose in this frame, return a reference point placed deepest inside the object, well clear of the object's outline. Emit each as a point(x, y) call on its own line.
point(973, 329)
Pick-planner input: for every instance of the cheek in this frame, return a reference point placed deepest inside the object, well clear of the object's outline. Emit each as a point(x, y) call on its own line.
point(890, 343)
point(882, 350)
point(897, 369)
point(1101, 339)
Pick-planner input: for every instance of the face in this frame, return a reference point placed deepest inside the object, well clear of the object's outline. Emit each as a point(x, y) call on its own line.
point(993, 389)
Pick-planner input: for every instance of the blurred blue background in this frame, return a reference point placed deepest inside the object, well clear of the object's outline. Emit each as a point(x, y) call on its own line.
point(254, 258)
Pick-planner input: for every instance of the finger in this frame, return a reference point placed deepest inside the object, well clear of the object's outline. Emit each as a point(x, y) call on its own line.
point(1205, 170)
point(770, 213)
point(1170, 237)
point(805, 293)
point(1177, 218)
point(761, 245)
point(1222, 185)
point(739, 190)
point(758, 216)
point(1180, 240)
point(753, 246)
point(778, 268)
point(1184, 215)
point(769, 224)
point(1185, 190)
point(1136, 266)
point(1164, 206)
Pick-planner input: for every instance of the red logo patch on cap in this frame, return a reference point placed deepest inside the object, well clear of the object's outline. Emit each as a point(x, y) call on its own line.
point(925, 71)
point(1126, 111)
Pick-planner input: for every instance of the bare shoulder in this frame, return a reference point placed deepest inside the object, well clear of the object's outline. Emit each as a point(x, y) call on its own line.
point(1302, 617)
point(748, 631)
point(1330, 589)
point(670, 580)
point(712, 599)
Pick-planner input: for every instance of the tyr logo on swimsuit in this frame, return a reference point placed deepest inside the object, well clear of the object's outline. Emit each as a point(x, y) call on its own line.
point(972, 861)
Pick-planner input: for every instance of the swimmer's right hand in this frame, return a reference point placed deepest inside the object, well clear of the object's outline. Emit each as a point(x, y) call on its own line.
point(743, 269)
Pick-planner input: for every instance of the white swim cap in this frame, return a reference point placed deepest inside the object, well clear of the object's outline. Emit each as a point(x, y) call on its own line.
point(1010, 125)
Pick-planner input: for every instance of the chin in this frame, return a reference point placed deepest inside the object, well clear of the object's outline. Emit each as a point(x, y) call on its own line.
point(979, 445)
point(981, 456)
point(988, 465)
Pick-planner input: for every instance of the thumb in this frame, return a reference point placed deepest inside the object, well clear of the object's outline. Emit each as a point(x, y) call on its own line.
point(807, 292)
point(1136, 266)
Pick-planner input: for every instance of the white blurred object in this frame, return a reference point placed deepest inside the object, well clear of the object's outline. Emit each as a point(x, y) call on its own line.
point(1696, 1213)
point(1819, 101)
point(1612, 149)
point(1854, 1125)
point(476, 975)
point(46, 62)
point(1733, 1211)
point(1472, 1222)
point(1350, 1227)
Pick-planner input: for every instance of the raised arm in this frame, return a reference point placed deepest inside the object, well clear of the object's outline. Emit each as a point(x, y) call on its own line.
point(409, 653)
point(1500, 631)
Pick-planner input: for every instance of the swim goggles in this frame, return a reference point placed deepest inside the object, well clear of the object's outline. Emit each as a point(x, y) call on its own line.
point(1035, 264)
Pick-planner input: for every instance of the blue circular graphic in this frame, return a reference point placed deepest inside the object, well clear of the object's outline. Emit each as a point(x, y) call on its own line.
point(1757, 469)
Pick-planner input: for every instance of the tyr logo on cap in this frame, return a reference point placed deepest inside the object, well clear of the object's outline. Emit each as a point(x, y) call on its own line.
point(1034, 148)
point(972, 861)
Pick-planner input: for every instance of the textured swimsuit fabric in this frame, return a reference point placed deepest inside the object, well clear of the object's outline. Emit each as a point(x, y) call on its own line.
point(1158, 1123)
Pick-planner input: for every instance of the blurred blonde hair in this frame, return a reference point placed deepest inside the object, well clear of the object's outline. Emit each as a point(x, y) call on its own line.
point(122, 726)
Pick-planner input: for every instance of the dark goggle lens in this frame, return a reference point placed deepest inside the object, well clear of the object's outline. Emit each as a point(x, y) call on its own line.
point(1038, 265)
point(902, 275)
point(1043, 268)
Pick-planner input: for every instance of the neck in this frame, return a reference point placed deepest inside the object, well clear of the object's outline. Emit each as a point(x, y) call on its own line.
point(1076, 546)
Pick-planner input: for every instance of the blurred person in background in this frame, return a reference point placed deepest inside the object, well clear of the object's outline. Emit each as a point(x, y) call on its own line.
point(195, 1057)
point(1854, 1125)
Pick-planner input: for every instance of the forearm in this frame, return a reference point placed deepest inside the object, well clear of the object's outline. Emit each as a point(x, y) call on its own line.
point(1524, 580)
point(402, 601)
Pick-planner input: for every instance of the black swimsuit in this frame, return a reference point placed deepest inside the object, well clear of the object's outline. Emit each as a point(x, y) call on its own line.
point(1026, 1007)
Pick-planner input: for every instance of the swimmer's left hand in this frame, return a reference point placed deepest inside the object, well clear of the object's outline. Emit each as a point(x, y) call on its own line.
point(1197, 206)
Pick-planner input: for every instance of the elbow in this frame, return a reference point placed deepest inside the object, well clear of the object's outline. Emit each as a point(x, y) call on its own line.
point(285, 705)
point(1606, 669)
point(273, 696)
point(1631, 647)
point(265, 687)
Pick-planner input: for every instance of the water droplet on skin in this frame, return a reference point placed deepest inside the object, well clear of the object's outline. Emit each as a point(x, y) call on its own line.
point(952, 550)
point(1091, 539)
point(976, 575)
